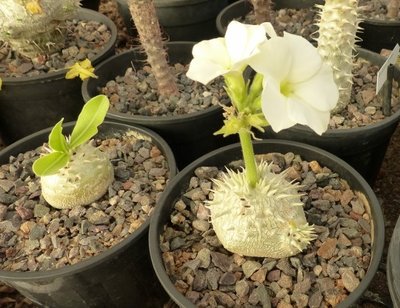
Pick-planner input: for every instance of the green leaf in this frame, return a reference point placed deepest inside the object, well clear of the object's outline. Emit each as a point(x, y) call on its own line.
point(91, 116)
point(50, 163)
point(57, 140)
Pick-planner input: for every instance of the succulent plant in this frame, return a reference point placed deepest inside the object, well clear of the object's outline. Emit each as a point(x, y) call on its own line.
point(146, 22)
point(266, 220)
point(35, 27)
point(73, 172)
point(338, 25)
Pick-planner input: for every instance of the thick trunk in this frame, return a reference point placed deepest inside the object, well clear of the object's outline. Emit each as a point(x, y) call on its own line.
point(145, 18)
point(262, 10)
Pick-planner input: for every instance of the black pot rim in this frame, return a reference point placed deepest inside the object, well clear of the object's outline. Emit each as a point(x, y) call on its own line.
point(119, 116)
point(60, 74)
point(377, 215)
point(114, 250)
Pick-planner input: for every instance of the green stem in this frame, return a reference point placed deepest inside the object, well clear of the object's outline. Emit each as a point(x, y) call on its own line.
point(248, 157)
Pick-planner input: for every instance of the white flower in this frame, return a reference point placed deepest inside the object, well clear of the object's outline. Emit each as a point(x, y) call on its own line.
point(298, 87)
point(216, 57)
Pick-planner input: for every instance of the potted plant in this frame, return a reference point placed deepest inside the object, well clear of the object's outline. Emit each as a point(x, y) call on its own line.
point(380, 24)
point(362, 145)
point(217, 228)
point(183, 20)
point(295, 17)
point(35, 36)
point(160, 98)
point(81, 239)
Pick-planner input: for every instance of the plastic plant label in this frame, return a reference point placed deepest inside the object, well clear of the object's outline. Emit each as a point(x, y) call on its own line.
point(382, 73)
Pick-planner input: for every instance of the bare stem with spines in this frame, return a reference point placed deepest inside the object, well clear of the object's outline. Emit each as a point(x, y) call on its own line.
point(338, 25)
point(146, 22)
point(262, 10)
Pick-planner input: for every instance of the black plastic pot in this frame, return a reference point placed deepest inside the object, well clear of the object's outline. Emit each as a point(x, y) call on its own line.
point(122, 276)
point(241, 8)
point(190, 135)
point(379, 34)
point(29, 104)
point(393, 266)
point(181, 20)
point(222, 157)
point(363, 148)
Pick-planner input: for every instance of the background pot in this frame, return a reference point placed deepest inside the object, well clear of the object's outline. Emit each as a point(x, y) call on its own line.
point(190, 135)
point(378, 34)
point(29, 104)
point(363, 147)
point(393, 266)
point(241, 8)
point(181, 20)
point(223, 156)
point(119, 277)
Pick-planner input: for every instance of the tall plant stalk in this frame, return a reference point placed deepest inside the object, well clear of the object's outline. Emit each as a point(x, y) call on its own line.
point(337, 39)
point(146, 22)
point(393, 8)
point(262, 10)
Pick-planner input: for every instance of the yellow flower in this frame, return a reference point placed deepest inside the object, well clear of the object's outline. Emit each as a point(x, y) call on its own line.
point(33, 7)
point(83, 69)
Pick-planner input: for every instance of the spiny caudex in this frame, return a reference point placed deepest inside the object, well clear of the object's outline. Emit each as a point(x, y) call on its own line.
point(256, 212)
point(338, 25)
point(35, 27)
point(73, 171)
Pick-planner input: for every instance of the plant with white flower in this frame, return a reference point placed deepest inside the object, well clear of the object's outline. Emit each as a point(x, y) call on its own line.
point(257, 212)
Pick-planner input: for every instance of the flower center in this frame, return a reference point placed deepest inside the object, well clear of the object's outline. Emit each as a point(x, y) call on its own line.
point(286, 88)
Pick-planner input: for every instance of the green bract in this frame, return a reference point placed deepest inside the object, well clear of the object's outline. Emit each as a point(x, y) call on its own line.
point(61, 148)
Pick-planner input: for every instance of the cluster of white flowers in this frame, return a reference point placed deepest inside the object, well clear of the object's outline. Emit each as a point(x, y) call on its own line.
point(298, 87)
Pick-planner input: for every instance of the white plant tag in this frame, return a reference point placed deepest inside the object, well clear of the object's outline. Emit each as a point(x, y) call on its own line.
point(382, 73)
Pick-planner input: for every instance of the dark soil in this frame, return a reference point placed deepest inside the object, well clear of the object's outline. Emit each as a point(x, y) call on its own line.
point(387, 188)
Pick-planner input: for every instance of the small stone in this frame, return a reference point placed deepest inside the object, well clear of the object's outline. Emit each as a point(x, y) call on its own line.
point(350, 281)
point(200, 281)
point(221, 260)
point(227, 279)
point(204, 255)
point(98, 218)
point(274, 275)
point(212, 277)
point(40, 210)
point(315, 300)
point(249, 267)
point(242, 288)
point(284, 266)
point(201, 225)
point(328, 248)
point(285, 281)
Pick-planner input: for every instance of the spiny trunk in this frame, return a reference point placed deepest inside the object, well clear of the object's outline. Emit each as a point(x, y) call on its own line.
point(337, 39)
point(262, 10)
point(145, 18)
point(393, 8)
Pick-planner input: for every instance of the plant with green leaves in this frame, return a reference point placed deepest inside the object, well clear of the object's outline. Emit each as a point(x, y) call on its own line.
point(35, 27)
point(73, 171)
point(256, 212)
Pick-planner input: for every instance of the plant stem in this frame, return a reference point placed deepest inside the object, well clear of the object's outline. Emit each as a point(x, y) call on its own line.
point(248, 157)
point(145, 18)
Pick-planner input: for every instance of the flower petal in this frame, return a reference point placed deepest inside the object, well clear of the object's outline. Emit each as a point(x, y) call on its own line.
point(242, 40)
point(301, 112)
point(274, 106)
point(320, 91)
point(210, 60)
point(306, 60)
point(274, 59)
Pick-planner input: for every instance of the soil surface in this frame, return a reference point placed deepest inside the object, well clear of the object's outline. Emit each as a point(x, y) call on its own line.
point(387, 188)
